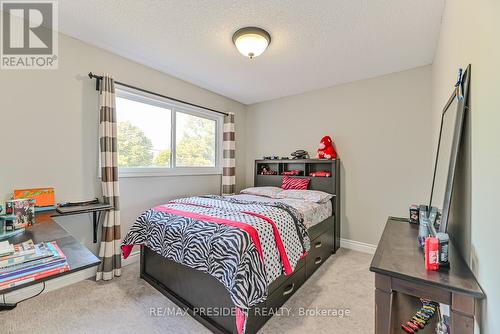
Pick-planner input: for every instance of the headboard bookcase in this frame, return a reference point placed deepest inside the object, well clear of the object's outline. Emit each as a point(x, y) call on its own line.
point(306, 166)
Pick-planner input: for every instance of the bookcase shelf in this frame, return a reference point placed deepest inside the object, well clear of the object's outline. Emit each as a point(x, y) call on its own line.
point(405, 306)
point(305, 166)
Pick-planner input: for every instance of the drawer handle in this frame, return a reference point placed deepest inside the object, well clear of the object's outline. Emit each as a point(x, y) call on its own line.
point(289, 289)
point(318, 244)
point(318, 260)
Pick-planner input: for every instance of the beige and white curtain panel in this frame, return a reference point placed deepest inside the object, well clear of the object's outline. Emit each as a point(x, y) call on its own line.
point(109, 252)
point(228, 158)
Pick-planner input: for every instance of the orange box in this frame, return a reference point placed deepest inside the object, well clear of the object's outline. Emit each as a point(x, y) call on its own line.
point(42, 196)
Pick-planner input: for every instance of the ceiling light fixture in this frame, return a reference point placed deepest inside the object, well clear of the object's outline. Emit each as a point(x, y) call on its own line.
point(251, 41)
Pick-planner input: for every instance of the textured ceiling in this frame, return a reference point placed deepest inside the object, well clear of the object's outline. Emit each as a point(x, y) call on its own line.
point(315, 44)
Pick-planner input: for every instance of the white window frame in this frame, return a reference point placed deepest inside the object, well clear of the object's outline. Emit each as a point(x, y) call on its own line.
point(174, 107)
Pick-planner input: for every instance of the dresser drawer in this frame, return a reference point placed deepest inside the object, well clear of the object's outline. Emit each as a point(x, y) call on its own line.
point(321, 249)
point(288, 288)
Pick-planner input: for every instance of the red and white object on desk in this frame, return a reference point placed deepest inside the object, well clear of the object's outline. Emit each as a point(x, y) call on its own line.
point(431, 253)
point(326, 149)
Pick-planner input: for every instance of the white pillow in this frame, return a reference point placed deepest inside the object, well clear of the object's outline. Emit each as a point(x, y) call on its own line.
point(306, 195)
point(262, 191)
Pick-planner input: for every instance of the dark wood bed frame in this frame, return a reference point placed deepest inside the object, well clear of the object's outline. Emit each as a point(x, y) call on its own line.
point(207, 300)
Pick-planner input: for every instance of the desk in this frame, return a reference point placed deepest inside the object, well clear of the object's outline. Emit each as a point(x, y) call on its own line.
point(46, 229)
point(401, 278)
point(94, 209)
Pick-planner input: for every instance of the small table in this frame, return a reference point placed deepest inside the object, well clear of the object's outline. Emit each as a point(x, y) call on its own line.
point(401, 278)
point(46, 229)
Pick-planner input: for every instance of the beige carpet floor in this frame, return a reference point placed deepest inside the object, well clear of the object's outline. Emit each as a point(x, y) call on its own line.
point(342, 284)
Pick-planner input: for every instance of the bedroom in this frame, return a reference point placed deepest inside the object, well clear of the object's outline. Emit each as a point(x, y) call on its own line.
point(372, 75)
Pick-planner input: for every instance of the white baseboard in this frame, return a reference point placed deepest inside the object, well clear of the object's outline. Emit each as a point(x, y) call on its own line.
point(358, 246)
point(63, 281)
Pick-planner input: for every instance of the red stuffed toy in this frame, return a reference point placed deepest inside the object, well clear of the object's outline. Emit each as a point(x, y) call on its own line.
point(326, 150)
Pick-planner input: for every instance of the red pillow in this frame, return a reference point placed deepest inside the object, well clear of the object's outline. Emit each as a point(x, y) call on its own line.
point(295, 183)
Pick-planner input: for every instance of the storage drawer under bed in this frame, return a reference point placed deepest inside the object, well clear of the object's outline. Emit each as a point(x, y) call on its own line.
point(286, 289)
point(321, 249)
point(259, 314)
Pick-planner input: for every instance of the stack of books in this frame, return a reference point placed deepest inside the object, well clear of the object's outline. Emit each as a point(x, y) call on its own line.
point(27, 262)
point(6, 248)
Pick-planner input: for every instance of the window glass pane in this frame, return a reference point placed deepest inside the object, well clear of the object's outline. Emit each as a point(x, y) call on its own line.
point(144, 133)
point(195, 141)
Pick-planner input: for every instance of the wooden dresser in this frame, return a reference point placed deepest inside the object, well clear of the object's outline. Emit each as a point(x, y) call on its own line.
point(401, 279)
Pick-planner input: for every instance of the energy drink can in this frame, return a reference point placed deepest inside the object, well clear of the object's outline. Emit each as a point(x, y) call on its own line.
point(444, 246)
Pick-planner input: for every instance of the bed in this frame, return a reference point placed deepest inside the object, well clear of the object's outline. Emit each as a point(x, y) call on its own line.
point(210, 293)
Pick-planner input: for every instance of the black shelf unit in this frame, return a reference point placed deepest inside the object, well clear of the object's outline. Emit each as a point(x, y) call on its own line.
point(96, 210)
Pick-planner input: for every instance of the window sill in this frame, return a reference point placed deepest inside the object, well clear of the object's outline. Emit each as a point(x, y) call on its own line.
point(188, 171)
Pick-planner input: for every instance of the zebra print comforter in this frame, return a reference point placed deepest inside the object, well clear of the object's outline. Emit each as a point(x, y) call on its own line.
point(245, 245)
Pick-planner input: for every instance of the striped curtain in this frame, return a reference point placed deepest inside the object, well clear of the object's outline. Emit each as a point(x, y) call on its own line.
point(229, 161)
point(109, 252)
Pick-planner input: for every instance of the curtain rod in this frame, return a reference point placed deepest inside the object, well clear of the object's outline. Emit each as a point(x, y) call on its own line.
point(99, 78)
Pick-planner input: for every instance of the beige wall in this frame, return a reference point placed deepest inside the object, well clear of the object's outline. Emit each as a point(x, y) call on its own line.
point(382, 130)
point(49, 132)
point(470, 34)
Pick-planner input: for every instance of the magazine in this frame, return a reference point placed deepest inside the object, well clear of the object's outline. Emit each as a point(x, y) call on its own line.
point(40, 252)
point(23, 209)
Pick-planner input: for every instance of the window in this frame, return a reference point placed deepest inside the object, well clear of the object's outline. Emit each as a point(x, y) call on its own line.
point(194, 141)
point(157, 136)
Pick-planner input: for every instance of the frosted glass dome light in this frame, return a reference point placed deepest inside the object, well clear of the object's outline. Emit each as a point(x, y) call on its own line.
point(251, 41)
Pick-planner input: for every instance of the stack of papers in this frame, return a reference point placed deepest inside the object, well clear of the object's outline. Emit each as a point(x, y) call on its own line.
point(28, 262)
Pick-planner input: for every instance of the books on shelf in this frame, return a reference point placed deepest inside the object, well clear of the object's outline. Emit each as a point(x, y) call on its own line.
point(6, 248)
point(30, 270)
point(33, 277)
point(19, 260)
point(24, 248)
point(31, 263)
point(14, 251)
point(28, 264)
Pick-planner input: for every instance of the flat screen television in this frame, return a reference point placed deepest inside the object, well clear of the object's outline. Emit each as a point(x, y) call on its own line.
point(447, 152)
